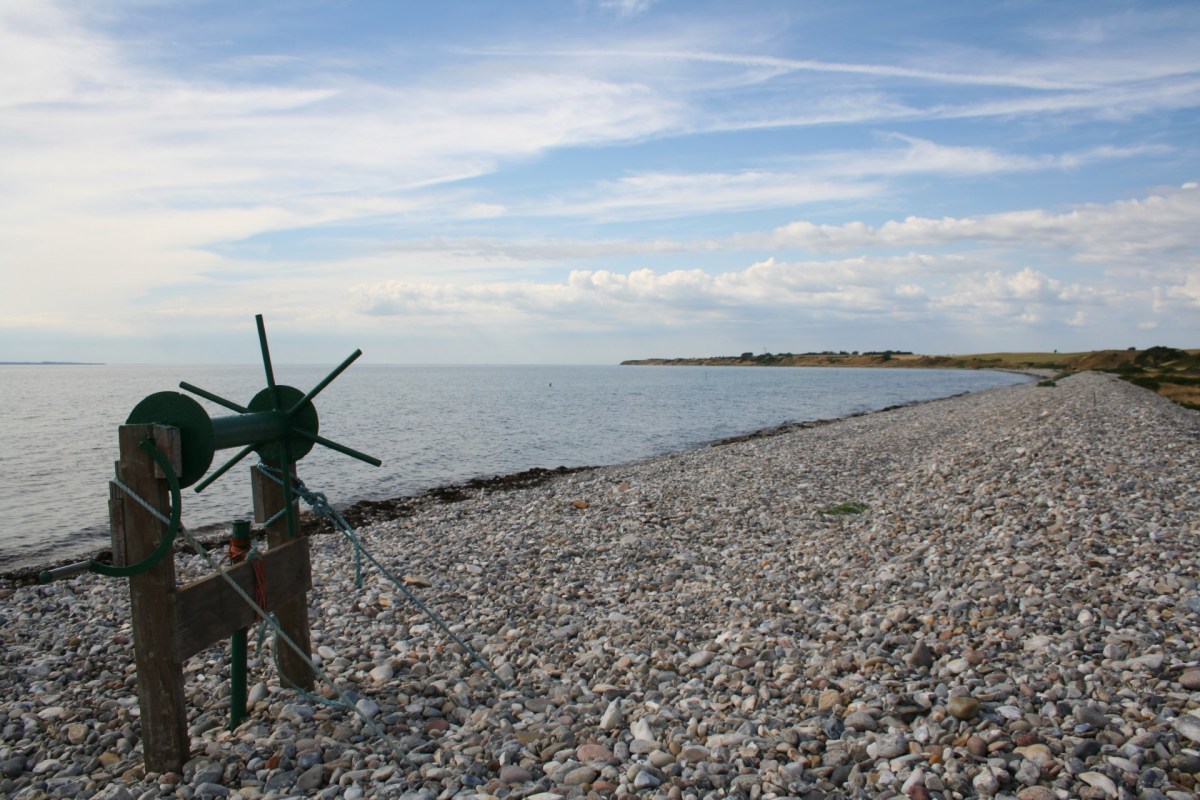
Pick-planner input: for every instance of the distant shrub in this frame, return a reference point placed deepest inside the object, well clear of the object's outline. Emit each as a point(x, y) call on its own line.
point(1047, 382)
point(1158, 355)
point(1145, 382)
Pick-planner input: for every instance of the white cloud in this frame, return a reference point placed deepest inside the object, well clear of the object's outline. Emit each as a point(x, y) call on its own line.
point(1122, 233)
point(854, 287)
point(626, 8)
point(149, 187)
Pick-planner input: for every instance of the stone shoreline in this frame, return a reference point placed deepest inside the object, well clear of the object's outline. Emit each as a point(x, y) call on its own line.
point(1016, 613)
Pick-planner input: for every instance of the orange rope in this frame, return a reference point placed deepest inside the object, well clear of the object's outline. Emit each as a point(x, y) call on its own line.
point(237, 554)
point(238, 550)
point(260, 583)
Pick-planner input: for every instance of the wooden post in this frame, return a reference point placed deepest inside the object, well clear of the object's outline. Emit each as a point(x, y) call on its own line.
point(292, 613)
point(152, 597)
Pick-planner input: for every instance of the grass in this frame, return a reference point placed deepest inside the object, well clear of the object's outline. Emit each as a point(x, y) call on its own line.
point(1044, 360)
point(843, 509)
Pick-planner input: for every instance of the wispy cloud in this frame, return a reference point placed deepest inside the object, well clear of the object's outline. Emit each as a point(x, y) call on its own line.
point(782, 66)
point(630, 164)
point(835, 176)
point(626, 8)
point(1122, 233)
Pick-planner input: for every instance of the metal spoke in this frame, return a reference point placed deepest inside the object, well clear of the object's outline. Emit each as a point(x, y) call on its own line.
point(266, 356)
point(341, 448)
point(221, 401)
point(228, 465)
point(330, 378)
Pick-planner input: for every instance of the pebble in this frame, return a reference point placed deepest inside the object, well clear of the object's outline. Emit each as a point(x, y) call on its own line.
point(1099, 781)
point(612, 718)
point(963, 707)
point(1016, 614)
point(514, 774)
point(1188, 726)
point(1037, 793)
point(1091, 715)
point(860, 721)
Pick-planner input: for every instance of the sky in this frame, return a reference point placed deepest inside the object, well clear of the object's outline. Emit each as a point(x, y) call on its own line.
point(586, 181)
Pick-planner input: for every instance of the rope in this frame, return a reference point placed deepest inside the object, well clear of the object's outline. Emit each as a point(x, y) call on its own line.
point(269, 619)
point(278, 515)
point(239, 552)
point(259, 607)
point(141, 501)
point(260, 580)
point(320, 506)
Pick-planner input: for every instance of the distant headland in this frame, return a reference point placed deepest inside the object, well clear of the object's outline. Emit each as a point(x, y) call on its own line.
point(1169, 371)
point(51, 363)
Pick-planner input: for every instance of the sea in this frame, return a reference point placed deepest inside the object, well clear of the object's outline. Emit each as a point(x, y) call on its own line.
point(432, 426)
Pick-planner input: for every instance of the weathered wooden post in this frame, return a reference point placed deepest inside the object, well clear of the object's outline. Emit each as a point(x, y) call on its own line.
point(292, 613)
point(137, 532)
point(167, 443)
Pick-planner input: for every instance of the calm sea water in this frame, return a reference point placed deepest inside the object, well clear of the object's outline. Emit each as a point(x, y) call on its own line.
point(431, 426)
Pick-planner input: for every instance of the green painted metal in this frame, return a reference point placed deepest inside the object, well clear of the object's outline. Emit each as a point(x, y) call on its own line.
point(302, 418)
point(164, 546)
point(168, 540)
point(195, 429)
point(280, 424)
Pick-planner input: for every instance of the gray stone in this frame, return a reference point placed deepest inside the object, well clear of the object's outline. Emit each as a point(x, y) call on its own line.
point(580, 776)
point(210, 773)
point(310, 779)
point(1028, 773)
point(860, 721)
point(612, 718)
point(367, 707)
point(512, 773)
point(1091, 715)
point(646, 780)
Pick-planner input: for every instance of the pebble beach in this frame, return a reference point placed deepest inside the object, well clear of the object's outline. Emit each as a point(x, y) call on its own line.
point(991, 595)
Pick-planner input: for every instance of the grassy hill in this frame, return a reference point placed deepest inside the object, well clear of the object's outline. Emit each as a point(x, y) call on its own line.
point(1170, 372)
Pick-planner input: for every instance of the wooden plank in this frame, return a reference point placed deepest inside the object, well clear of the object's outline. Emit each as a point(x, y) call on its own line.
point(292, 614)
point(116, 521)
point(209, 609)
point(151, 598)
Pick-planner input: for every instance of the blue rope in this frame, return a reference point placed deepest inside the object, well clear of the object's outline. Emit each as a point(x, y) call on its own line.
point(320, 506)
point(269, 619)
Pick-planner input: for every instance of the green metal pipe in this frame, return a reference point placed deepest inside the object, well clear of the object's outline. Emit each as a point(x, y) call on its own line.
point(246, 429)
point(237, 678)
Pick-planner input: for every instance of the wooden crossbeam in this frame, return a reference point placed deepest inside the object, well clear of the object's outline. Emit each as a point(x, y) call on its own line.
point(209, 609)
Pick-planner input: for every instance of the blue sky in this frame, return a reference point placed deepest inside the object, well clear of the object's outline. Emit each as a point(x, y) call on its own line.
point(591, 180)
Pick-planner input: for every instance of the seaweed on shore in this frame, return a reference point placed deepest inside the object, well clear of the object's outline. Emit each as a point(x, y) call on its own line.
point(366, 512)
